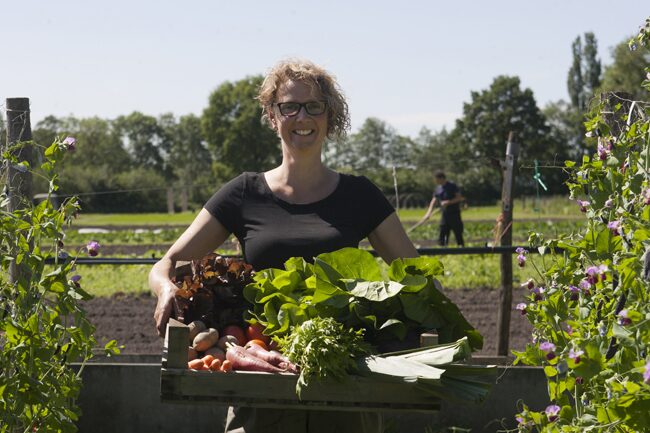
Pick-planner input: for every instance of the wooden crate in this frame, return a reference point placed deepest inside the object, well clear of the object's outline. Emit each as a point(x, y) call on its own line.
point(242, 388)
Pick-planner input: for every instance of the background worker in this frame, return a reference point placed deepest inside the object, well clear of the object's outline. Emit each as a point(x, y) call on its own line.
point(448, 196)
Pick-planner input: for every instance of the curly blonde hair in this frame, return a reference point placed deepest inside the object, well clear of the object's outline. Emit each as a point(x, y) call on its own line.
point(338, 117)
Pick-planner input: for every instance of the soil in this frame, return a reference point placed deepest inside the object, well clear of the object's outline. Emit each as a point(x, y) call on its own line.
point(129, 320)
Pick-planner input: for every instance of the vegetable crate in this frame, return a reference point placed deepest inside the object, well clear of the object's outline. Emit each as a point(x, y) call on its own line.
point(273, 390)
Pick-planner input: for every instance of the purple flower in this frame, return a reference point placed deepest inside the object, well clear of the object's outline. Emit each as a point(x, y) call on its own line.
point(579, 380)
point(575, 355)
point(521, 260)
point(521, 307)
point(63, 255)
point(538, 293)
point(75, 280)
point(646, 196)
point(574, 293)
point(609, 203)
point(646, 373)
point(552, 412)
point(549, 348)
point(623, 319)
point(583, 204)
point(602, 269)
point(614, 226)
point(529, 284)
point(585, 285)
point(603, 152)
point(520, 250)
point(592, 274)
point(93, 248)
point(70, 143)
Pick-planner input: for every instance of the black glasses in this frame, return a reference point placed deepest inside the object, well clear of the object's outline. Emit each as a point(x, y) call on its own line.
point(313, 108)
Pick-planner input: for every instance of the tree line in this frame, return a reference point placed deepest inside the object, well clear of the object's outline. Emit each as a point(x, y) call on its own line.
point(128, 163)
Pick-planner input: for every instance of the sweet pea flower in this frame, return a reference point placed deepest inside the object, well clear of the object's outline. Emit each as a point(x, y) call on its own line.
point(592, 274)
point(585, 285)
point(602, 269)
point(70, 143)
point(646, 196)
point(93, 248)
point(579, 380)
point(75, 280)
point(574, 293)
point(609, 203)
point(63, 255)
point(603, 152)
point(522, 308)
point(583, 204)
point(575, 355)
point(521, 258)
point(562, 368)
point(552, 412)
point(623, 319)
point(530, 284)
point(549, 348)
point(538, 293)
point(614, 226)
point(646, 373)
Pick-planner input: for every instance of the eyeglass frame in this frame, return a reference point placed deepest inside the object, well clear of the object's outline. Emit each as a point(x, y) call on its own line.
point(301, 105)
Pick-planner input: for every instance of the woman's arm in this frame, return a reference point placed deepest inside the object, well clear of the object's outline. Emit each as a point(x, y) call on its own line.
point(203, 236)
point(390, 240)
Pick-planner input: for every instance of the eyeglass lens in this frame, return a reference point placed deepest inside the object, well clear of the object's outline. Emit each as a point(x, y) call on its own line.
point(312, 108)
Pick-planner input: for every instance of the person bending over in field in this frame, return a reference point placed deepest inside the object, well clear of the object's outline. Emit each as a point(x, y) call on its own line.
point(300, 208)
point(448, 196)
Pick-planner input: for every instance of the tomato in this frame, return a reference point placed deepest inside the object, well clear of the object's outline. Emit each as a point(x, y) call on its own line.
point(256, 332)
point(236, 332)
point(258, 342)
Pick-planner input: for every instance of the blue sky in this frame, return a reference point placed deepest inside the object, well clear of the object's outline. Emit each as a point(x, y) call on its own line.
point(409, 63)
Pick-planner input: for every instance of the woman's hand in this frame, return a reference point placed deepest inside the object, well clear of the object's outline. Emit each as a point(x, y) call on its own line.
point(165, 306)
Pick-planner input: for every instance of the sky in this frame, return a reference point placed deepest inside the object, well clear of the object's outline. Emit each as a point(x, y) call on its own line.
point(412, 64)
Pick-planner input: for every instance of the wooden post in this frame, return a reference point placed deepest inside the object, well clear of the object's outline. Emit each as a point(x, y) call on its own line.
point(19, 180)
point(505, 304)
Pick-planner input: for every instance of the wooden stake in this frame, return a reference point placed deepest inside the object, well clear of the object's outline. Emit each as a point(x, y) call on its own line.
point(19, 180)
point(505, 304)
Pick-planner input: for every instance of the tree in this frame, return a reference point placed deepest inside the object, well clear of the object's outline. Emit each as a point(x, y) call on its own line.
point(235, 135)
point(480, 138)
point(584, 75)
point(144, 139)
point(627, 72)
point(189, 158)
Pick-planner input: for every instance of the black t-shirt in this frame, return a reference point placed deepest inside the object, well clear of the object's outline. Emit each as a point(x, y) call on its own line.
point(448, 191)
point(272, 230)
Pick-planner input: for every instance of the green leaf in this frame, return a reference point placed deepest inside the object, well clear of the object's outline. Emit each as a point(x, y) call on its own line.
point(377, 291)
point(351, 263)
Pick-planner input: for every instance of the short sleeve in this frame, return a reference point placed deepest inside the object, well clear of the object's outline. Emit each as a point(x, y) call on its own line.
point(376, 206)
point(225, 204)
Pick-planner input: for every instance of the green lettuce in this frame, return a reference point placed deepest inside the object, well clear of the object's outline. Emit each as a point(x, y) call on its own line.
point(349, 286)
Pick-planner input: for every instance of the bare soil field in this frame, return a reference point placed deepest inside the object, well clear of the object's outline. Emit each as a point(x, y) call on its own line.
point(129, 320)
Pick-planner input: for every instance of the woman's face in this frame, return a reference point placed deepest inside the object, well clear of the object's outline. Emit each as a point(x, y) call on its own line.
point(302, 130)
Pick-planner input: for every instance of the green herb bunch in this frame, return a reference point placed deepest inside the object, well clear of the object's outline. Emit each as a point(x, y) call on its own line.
point(323, 349)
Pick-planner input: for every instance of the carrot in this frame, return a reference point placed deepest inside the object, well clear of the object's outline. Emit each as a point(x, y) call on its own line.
point(272, 357)
point(215, 365)
point(243, 359)
point(196, 364)
point(226, 366)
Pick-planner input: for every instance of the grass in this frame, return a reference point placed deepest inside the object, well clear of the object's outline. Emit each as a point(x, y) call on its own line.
point(552, 217)
point(523, 208)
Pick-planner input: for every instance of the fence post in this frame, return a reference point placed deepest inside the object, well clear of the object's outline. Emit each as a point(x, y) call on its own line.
point(19, 180)
point(505, 298)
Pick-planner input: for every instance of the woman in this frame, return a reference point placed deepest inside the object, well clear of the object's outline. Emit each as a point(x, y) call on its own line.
point(300, 208)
